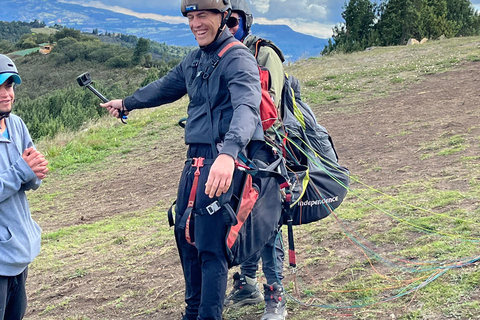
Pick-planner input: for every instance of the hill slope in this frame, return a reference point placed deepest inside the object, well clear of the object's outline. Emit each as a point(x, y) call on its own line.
point(404, 121)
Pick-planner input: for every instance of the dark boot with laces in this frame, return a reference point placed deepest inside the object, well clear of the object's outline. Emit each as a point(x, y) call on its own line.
point(275, 302)
point(245, 291)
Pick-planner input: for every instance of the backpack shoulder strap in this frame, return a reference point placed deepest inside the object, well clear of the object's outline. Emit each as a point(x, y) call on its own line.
point(228, 46)
point(267, 43)
point(219, 56)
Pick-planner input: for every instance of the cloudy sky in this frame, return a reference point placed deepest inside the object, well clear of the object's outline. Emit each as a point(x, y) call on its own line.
point(313, 17)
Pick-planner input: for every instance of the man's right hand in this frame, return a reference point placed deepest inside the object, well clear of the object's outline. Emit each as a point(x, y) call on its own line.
point(113, 107)
point(36, 161)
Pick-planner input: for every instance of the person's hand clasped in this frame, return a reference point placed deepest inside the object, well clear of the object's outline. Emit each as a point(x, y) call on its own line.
point(220, 176)
point(36, 161)
point(113, 107)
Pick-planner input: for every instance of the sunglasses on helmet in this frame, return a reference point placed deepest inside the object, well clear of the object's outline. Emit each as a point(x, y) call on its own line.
point(232, 22)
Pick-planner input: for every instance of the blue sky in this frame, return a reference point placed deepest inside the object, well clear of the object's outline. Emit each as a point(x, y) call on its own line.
point(313, 17)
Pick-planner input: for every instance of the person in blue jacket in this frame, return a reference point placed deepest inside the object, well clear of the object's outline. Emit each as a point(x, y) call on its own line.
point(21, 169)
point(223, 120)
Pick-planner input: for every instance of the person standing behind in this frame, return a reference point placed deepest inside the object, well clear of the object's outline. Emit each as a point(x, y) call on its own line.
point(245, 288)
point(21, 169)
point(223, 120)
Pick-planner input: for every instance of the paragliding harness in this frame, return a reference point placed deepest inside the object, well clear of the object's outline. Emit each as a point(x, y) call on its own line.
point(253, 206)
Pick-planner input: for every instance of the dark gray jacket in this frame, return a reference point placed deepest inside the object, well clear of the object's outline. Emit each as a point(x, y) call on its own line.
point(232, 93)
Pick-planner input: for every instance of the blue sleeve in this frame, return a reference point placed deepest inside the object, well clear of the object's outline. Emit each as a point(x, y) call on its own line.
point(18, 176)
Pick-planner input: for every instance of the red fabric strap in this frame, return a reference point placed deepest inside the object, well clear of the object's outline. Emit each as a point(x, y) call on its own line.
point(197, 163)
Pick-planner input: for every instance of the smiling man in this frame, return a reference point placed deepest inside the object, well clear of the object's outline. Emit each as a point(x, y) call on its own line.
point(223, 120)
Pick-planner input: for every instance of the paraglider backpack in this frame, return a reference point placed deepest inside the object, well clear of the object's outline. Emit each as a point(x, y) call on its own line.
point(318, 184)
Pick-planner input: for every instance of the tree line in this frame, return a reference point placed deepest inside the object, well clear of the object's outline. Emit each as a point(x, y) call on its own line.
point(394, 22)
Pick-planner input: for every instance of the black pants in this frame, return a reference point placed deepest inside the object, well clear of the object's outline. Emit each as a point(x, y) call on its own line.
point(13, 297)
point(204, 265)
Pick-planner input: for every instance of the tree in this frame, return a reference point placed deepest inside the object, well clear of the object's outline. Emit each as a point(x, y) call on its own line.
point(357, 31)
point(26, 41)
point(398, 21)
point(68, 33)
point(6, 47)
point(141, 49)
point(432, 22)
point(464, 18)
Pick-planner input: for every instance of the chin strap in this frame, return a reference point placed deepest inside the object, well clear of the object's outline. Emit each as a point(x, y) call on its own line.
point(3, 115)
point(222, 25)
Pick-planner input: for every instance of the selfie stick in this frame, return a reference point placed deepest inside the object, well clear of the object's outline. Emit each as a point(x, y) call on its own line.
point(84, 80)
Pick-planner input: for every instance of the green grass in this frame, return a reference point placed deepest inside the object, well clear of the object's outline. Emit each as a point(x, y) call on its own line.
point(379, 71)
point(69, 152)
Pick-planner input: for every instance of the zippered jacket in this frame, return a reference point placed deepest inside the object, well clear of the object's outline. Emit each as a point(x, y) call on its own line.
point(224, 108)
point(19, 234)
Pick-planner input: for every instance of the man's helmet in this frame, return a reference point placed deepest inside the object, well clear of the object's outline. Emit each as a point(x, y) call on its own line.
point(8, 69)
point(242, 8)
point(199, 5)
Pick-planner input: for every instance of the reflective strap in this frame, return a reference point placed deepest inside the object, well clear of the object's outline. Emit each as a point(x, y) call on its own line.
point(187, 229)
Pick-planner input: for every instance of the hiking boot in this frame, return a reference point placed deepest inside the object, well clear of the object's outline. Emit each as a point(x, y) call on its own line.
point(275, 302)
point(245, 291)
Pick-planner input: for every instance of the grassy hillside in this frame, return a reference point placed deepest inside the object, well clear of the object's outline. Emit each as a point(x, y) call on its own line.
point(404, 244)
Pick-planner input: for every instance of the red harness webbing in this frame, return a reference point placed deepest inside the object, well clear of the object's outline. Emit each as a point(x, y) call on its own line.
point(197, 163)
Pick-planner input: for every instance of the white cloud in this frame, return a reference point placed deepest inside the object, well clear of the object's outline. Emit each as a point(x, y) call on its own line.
point(97, 4)
point(316, 29)
point(318, 10)
point(261, 6)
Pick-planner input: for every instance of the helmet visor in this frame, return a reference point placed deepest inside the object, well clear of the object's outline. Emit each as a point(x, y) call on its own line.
point(6, 75)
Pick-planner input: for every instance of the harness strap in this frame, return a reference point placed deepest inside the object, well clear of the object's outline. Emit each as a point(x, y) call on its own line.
point(215, 61)
point(197, 163)
point(228, 213)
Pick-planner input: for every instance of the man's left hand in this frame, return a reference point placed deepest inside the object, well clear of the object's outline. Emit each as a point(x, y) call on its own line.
point(220, 176)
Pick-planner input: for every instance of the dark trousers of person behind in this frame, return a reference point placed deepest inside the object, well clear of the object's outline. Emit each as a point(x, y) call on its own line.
point(13, 297)
point(204, 264)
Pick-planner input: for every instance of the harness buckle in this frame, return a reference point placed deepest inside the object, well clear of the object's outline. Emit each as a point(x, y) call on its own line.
point(213, 207)
point(197, 162)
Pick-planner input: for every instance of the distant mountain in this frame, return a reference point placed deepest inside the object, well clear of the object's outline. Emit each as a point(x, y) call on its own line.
point(293, 44)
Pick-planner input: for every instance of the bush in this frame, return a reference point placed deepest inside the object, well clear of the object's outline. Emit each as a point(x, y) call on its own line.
point(119, 61)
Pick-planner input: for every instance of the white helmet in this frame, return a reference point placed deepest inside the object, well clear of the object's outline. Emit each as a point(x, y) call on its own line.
point(8, 69)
